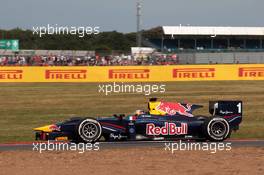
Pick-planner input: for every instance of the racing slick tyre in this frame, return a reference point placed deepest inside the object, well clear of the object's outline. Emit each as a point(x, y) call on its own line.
point(89, 130)
point(216, 129)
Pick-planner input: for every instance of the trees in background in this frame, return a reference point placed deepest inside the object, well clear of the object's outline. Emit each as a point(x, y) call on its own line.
point(104, 41)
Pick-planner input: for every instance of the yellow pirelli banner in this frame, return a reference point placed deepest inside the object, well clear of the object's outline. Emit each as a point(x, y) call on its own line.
point(133, 73)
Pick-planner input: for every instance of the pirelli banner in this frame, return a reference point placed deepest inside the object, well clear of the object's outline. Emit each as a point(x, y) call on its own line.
point(133, 73)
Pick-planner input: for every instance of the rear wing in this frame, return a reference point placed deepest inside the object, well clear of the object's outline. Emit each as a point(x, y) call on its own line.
point(225, 108)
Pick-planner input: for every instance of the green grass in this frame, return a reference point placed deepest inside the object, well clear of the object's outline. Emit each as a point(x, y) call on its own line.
point(24, 106)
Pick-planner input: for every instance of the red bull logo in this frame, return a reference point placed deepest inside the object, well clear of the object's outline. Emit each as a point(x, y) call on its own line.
point(54, 128)
point(11, 74)
point(167, 129)
point(129, 74)
point(174, 108)
point(194, 73)
point(65, 74)
point(251, 72)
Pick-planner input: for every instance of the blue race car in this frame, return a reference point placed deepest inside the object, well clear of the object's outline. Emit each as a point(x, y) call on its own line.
point(163, 121)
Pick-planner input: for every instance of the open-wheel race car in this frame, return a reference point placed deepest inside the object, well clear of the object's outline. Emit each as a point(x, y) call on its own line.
point(163, 121)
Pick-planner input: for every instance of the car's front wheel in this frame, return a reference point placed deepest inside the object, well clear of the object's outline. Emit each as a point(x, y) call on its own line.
point(216, 129)
point(89, 130)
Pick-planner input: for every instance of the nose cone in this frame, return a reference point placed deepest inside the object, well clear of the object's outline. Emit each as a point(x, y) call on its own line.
point(46, 128)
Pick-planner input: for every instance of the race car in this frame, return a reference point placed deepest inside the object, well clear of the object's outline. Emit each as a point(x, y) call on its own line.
point(163, 121)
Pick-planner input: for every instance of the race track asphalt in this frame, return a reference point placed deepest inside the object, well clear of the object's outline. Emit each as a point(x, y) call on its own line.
point(131, 144)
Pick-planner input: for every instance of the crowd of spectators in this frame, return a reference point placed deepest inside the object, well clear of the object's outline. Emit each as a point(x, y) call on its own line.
point(59, 60)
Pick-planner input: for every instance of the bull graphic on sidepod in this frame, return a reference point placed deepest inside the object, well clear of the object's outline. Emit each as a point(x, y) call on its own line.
point(175, 108)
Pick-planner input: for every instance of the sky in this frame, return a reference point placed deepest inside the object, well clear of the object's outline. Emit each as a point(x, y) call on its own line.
point(120, 15)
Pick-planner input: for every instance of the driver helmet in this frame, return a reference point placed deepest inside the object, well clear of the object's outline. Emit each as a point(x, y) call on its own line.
point(139, 112)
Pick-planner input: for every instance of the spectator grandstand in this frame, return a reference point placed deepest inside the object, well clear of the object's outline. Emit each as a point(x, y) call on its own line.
point(181, 38)
point(79, 58)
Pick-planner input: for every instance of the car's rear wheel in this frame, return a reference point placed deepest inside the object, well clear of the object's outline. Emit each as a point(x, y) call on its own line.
point(89, 130)
point(216, 129)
